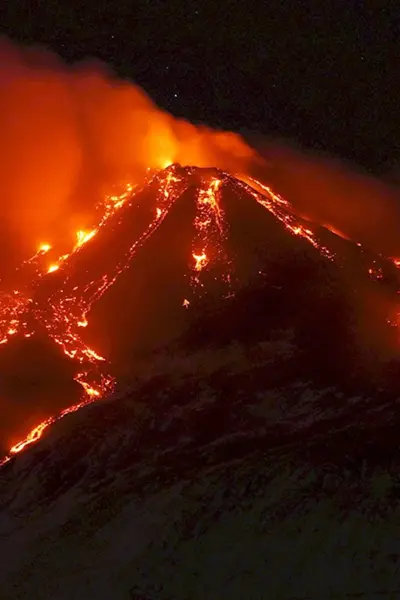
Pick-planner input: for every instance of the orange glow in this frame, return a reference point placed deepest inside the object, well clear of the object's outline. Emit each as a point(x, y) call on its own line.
point(281, 209)
point(210, 228)
point(164, 164)
point(89, 130)
point(32, 437)
point(65, 312)
point(77, 132)
point(84, 236)
point(200, 261)
point(53, 268)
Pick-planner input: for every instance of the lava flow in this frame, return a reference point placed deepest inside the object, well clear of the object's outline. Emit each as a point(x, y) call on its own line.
point(64, 312)
point(282, 210)
point(210, 227)
point(80, 278)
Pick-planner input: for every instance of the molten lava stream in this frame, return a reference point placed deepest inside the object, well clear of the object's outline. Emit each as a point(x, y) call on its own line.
point(210, 231)
point(281, 209)
point(63, 314)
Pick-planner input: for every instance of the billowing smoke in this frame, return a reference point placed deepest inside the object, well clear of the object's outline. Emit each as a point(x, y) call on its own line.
point(69, 133)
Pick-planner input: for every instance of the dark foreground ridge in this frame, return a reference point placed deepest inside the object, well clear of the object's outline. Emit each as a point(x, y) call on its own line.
point(223, 470)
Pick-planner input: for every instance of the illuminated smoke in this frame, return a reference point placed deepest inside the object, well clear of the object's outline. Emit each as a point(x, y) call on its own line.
point(69, 133)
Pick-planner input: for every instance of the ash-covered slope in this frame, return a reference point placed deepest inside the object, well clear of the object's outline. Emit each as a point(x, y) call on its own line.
point(263, 397)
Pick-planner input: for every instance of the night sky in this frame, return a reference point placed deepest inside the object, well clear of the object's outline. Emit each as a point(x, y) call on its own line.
point(323, 73)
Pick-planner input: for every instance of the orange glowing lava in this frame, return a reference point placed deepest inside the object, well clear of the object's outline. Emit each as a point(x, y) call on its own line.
point(53, 268)
point(210, 231)
point(200, 261)
point(84, 236)
point(64, 312)
point(281, 209)
point(33, 436)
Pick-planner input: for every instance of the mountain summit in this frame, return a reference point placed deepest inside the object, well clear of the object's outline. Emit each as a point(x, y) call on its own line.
point(251, 360)
point(166, 253)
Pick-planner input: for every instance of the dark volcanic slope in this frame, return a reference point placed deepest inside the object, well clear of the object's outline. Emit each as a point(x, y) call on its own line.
point(255, 436)
point(177, 251)
point(230, 454)
point(255, 245)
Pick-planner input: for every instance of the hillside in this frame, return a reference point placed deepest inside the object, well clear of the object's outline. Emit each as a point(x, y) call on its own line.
point(238, 433)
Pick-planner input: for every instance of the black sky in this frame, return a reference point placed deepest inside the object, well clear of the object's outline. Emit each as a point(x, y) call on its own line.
point(324, 73)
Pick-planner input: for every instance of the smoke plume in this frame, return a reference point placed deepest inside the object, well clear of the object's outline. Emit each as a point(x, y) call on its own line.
point(70, 133)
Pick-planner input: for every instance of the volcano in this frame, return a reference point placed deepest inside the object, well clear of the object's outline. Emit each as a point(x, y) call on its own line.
point(164, 256)
point(215, 336)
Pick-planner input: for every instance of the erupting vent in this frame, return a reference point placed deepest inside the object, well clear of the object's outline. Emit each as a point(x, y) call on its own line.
point(57, 292)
